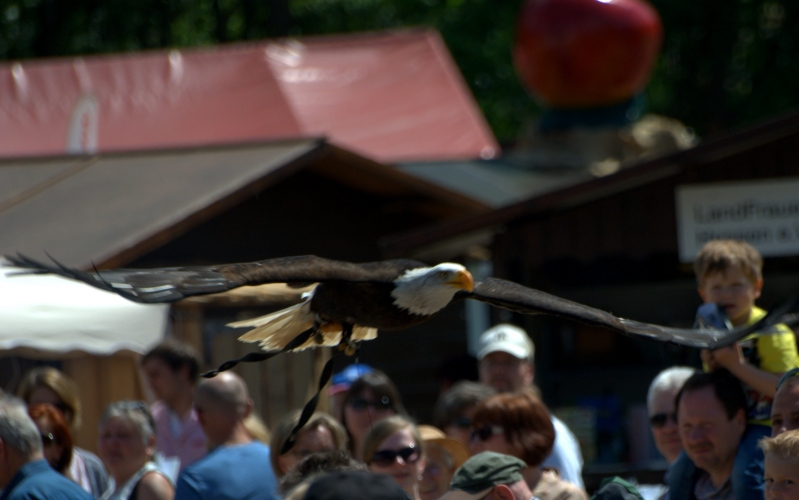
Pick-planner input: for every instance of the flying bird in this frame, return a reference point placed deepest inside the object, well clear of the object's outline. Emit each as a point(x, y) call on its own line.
point(350, 302)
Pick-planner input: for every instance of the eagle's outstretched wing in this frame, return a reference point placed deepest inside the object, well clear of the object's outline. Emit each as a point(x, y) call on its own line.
point(170, 284)
point(518, 298)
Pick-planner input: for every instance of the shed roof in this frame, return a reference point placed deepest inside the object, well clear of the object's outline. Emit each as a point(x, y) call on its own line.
point(390, 96)
point(108, 209)
point(583, 192)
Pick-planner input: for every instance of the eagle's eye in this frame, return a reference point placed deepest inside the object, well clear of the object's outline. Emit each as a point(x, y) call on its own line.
point(444, 275)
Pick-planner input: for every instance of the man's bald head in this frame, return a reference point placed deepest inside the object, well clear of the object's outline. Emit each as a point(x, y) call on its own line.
point(222, 403)
point(226, 392)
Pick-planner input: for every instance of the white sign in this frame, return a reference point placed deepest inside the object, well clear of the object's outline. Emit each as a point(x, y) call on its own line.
point(762, 213)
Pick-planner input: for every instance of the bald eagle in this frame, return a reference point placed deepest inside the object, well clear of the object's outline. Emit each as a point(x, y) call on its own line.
point(350, 302)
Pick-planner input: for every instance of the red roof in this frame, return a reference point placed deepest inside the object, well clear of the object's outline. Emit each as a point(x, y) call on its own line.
point(389, 96)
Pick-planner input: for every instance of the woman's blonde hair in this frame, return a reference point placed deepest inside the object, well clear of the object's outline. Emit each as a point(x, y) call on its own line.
point(383, 429)
point(56, 381)
point(286, 424)
point(784, 446)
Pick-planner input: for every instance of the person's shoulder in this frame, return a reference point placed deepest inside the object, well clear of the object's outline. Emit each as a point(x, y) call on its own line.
point(51, 484)
point(154, 485)
point(90, 459)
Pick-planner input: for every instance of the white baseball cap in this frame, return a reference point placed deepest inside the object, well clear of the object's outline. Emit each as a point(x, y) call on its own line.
point(506, 338)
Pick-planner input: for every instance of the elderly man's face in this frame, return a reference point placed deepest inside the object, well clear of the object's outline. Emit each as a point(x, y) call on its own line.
point(785, 410)
point(709, 437)
point(505, 372)
point(663, 422)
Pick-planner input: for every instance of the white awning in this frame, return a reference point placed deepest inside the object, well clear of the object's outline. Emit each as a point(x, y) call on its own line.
point(55, 314)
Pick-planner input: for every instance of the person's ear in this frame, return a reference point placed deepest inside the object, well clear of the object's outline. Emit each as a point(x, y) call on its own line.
point(248, 408)
point(150, 445)
point(529, 376)
point(758, 287)
point(740, 419)
point(502, 492)
point(420, 465)
point(702, 294)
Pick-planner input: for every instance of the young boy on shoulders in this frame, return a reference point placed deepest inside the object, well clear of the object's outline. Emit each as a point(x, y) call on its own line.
point(729, 274)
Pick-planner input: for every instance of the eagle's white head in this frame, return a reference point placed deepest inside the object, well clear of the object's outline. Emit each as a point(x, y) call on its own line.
point(427, 290)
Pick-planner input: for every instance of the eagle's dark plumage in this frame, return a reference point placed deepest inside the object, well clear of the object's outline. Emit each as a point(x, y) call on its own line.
point(366, 296)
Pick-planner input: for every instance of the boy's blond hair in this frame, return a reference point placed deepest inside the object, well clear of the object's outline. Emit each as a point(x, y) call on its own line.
point(722, 255)
point(784, 446)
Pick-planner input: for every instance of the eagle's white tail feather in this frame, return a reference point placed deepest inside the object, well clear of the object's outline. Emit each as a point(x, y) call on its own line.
point(277, 329)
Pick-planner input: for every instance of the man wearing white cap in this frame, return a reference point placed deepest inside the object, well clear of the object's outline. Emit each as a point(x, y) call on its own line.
point(505, 356)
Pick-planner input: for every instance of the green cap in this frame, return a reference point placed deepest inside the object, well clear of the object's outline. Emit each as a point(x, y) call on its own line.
point(481, 473)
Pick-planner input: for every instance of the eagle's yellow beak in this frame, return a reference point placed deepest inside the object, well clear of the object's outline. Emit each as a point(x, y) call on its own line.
point(462, 281)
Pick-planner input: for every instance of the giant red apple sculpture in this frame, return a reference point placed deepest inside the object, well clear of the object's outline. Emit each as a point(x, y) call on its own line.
point(586, 53)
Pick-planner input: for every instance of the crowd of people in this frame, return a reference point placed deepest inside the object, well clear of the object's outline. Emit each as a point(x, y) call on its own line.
point(728, 431)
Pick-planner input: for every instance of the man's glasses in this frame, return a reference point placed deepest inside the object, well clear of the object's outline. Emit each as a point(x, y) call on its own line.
point(386, 458)
point(485, 432)
point(658, 420)
point(789, 374)
point(361, 404)
point(48, 439)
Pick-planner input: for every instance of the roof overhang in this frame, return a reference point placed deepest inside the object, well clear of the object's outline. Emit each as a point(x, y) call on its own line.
point(108, 209)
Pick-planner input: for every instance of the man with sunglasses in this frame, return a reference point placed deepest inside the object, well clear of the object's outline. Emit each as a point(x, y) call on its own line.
point(662, 414)
point(505, 363)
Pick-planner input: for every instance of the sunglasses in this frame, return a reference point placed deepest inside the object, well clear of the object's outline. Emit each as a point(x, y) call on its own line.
point(658, 420)
point(48, 439)
point(361, 404)
point(485, 432)
point(789, 374)
point(386, 458)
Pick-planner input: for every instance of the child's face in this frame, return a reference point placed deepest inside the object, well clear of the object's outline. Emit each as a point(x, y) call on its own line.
point(733, 292)
point(782, 479)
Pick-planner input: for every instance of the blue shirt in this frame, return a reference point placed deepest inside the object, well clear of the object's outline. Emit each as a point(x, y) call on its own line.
point(229, 472)
point(38, 481)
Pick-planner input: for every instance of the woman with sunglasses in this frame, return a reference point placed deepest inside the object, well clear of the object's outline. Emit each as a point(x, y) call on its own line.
point(56, 438)
point(369, 400)
point(394, 447)
point(127, 447)
point(519, 425)
point(321, 433)
point(48, 385)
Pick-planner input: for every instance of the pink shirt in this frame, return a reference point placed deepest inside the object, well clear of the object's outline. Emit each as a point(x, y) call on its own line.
point(188, 445)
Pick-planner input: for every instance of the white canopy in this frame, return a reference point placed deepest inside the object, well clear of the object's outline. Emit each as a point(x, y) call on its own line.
point(55, 314)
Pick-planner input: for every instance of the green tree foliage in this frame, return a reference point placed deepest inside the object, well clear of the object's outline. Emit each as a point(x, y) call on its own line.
point(725, 62)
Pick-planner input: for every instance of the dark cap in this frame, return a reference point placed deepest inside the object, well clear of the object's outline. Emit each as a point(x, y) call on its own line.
point(355, 485)
point(479, 474)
